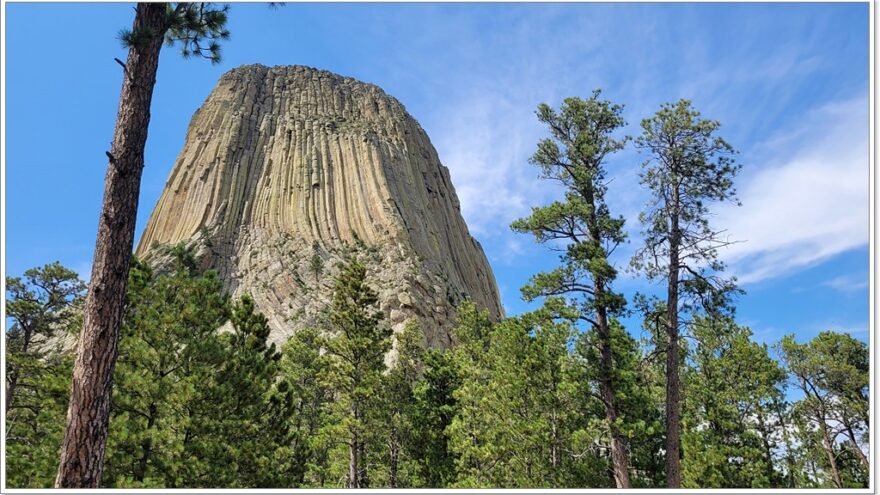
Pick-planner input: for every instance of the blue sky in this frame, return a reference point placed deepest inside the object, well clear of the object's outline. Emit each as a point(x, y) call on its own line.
point(789, 83)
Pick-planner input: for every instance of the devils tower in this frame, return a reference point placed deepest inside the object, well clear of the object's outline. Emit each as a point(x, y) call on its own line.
point(286, 169)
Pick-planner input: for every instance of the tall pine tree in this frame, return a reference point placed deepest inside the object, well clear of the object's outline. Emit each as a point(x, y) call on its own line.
point(688, 167)
point(356, 348)
point(574, 156)
point(197, 27)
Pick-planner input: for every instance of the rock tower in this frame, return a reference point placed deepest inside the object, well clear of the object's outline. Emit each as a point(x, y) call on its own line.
point(285, 169)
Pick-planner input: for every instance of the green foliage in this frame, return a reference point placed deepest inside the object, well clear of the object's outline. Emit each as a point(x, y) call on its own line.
point(34, 427)
point(734, 390)
point(316, 263)
point(688, 168)
point(39, 305)
point(193, 406)
point(42, 306)
point(518, 408)
point(515, 403)
point(301, 366)
point(581, 140)
point(833, 423)
point(356, 346)
point(198, 27)
point(433, 410)
point(397, 414)
point(638, 397)
point(574, 156)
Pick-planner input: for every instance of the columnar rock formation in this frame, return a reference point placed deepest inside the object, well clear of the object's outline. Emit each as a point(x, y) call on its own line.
point(285, 168)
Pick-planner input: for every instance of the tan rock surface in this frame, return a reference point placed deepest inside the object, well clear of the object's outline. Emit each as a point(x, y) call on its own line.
point(282, 163)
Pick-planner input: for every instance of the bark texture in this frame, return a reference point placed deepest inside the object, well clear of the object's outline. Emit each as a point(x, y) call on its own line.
point(828, 445)
point(673, 383)
point(85, 434)
point(619, 460)
point(284, 163)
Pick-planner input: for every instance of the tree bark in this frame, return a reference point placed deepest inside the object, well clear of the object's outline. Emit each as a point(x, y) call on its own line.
point(353, 462)
point(354, 448)
point(85, 433)
point(363, 473)
point(829, 450)
point(619, 462)
point(768, 450)
point(618, 450)
point(673, 391)
point(852, 438)
point(394, 450)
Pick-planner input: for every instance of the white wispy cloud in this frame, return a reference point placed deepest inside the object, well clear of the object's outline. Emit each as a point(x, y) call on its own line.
point(804, 186)
point(848, 283)
point(809, 202)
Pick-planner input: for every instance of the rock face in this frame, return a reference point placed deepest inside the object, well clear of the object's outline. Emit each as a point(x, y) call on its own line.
point(285, 169)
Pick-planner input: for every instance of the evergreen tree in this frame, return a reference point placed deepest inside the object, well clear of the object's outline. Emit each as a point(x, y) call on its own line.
point(574, 156)
point(168, 352)
point(301, 367)
point(435, 407)
point(197, 27)
point(832, 373)
point(516, 404)
point(398, 411)
point(240, 404)
point(640, 421)
point(34, 428)
point(316, 263)
point(733, 391)
point(356, 351)
point(194, 406)
point(43, 307)
point(688, 167)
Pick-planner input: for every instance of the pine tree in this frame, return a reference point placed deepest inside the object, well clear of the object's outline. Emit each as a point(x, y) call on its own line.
point(169, 351)
point(639, 421)
point(194, 406)
point(35, 427)
point(41, 306)
point(832, 373)
point(356, 354)
point(575, 157)
point(733, 388)
point(301, 366)
point(197, 27)
point(398, 410)
point(44, 307)
point(516, 406)
point(688, 167)
point(242, 410)
point(316, 263)
point(435, 407)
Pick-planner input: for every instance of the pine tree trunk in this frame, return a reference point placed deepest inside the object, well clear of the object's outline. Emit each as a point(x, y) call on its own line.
point(394, 449)
point(618, 450)
point(852, 437)
point(353, 462)
point(85, 433)
point(829, 450)
point(363, 474)
point(673, 391)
